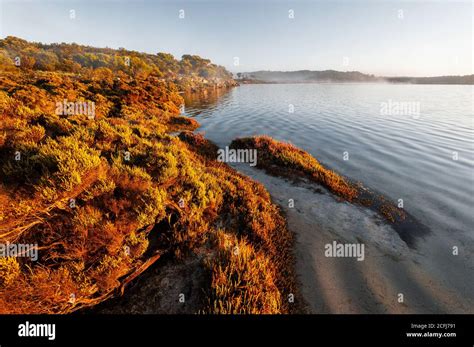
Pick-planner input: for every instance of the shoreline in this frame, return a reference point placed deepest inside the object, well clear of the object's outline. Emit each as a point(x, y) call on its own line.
point(248, 82)
point(344, 285)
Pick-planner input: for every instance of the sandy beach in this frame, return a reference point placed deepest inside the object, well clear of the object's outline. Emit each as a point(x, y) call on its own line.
point(390, 267)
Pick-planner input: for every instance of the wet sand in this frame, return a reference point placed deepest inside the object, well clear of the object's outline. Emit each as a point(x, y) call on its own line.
point(390, 267)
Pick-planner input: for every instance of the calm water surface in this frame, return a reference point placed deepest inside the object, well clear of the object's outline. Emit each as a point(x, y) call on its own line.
point(408, 156)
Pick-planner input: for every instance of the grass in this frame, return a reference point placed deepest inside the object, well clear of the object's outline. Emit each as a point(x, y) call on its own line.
point(101, 197)
point(285, 159)
point(243, 280)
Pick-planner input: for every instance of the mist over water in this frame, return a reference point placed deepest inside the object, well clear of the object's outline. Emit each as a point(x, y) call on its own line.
point(404, 156)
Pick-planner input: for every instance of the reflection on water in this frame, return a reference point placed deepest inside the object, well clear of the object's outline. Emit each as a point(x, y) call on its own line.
point(204, 102)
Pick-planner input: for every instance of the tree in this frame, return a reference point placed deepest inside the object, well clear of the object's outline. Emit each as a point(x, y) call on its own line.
point(46, 60)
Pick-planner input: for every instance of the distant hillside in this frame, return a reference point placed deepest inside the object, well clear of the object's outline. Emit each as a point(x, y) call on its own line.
point(307, 76)
point(191, 72)
point(467, 79)
point(303, 76)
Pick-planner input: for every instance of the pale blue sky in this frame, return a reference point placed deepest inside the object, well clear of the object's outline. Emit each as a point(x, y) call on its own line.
point(432, 38)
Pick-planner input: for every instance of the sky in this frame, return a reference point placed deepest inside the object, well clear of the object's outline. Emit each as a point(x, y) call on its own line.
point(389, 38)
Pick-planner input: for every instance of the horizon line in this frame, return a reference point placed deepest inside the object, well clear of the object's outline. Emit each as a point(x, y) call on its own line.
point(233, 71)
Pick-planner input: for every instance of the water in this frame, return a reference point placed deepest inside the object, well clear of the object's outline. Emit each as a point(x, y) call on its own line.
point(408, 156)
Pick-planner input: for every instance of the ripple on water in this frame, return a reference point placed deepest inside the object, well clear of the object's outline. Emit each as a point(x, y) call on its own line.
point(402, 156)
